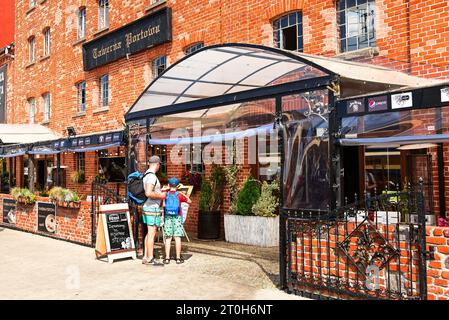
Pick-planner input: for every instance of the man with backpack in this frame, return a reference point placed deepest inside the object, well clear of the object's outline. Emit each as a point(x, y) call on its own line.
point(173, 219)
point(152, 207)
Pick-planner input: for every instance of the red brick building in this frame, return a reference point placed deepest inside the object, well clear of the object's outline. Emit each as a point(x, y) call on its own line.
point(52, 88)
point(7, 19)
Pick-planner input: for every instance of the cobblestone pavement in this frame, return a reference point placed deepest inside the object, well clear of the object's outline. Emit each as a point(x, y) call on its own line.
point(36, 267)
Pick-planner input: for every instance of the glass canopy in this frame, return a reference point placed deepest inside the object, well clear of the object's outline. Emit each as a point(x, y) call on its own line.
point(232, 68)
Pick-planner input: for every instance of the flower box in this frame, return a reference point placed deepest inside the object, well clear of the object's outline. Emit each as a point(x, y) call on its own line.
point(252, 230)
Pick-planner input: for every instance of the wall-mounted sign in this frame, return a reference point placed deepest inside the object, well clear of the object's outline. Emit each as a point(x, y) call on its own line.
point(377, 103)
point(3, 94)
point(401, 100)
point(9, 211)
point(46, 217)
point(149, 31)
point(355, 106)
point(445, 94)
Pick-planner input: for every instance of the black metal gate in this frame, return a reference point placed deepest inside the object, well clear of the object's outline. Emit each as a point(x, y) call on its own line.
point(101, 195)
point(374, 248)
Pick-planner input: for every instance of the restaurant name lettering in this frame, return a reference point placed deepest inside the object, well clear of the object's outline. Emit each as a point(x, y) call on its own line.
point(144, 33)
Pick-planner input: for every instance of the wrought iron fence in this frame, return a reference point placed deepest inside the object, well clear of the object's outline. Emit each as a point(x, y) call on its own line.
point(371, 249)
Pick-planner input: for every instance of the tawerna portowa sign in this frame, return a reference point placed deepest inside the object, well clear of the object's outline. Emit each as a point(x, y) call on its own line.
point(146, 32)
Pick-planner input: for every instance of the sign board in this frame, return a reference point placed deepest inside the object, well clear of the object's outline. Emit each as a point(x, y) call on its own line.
point(46, 217)
point(355, 106)
point(9, 211)
point(114, 235)
point(3, 94)
point(445, 94)
point(144, 33)
point(401, 100)
point(378, 103)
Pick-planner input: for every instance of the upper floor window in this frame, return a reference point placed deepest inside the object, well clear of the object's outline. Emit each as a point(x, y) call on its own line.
point(103, 14)
point(288, 32)
point(193, 48)
point(31, 49)
point(356, 24)
point(159, 65)
point(47, 106)
point(81, 88)
point(81, 32)
point(31, 109)
point(104, 91)
point(47, 42)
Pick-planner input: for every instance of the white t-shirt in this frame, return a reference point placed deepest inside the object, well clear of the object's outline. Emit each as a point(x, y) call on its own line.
point(152, 204)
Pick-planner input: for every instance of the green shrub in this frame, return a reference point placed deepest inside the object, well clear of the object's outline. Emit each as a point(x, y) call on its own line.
point(268, 202)
point(24, 194)
point(247, 197)
point(205, 196)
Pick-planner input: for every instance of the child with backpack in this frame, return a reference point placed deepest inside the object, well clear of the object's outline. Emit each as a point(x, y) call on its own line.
point(173, 219)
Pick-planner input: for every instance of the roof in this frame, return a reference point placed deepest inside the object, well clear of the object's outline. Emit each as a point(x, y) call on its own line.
point(25, 133)
point(231, 68)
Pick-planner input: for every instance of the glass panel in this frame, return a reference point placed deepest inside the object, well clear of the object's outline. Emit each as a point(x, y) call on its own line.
point(292, 19)
point(350, 3)
point(341, 5)
point(284, 22)
point(306, 167)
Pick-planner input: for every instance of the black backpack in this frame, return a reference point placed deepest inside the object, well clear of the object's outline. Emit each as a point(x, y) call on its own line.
point(136, 190)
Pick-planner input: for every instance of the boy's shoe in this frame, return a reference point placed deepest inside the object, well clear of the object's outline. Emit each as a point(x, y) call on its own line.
point(144, 261)
point(166, 260)
point(179, 260)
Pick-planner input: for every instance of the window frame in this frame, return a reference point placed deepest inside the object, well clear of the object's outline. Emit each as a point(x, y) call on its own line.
point(155, 67)
point(81, 25)
point(104, 91)
point(80, 162)
point(344, 34)
point(31, 110)
point(32, 49)
point(47, 106)
point(80, 106)
point(103, 14)
point(47, 41)
point(287, 21)
point(193, 48)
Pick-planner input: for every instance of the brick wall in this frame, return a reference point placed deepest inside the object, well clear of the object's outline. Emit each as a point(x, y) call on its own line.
point(72, 224)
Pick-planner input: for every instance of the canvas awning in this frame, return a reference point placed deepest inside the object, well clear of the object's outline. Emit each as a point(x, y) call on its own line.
point(229, 69)
point(25, 133)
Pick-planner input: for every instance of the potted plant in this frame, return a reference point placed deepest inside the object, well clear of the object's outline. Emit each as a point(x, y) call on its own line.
point(23, 195)
point(78, 177)
point(256, 220)
point(211, 199)
point(64, 197)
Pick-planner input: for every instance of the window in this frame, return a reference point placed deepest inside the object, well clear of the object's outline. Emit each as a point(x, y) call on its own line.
point(356, 24)
point(81, 162)
point(81, 23)
point(81, 88)
point(159, 65)
point(103, 14)
point(47, 42)
point(47, 106)
point(31, 109)
point(104, 91)
point(195, 163)
point(161, 151)
point(32, 49)
point(288, 32)
point(193, 48)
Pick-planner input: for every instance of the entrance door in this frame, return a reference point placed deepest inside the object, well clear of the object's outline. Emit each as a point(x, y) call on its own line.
point(419, 167)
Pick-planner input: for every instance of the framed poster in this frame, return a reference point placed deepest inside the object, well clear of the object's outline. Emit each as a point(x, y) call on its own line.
point(401, 100)
point(46, 217)
point(9, 211)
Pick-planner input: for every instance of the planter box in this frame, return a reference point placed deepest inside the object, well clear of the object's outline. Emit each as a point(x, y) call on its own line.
point(252, 230)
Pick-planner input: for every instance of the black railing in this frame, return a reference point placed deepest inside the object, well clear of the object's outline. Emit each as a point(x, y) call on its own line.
point(371, 249)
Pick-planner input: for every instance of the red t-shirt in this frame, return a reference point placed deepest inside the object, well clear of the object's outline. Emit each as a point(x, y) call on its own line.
point(182, 198)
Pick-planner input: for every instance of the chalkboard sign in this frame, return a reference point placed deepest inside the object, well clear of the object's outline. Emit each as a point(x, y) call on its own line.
point(114, 235)
point(46, 217)
point(9, 211)
point(118, 231)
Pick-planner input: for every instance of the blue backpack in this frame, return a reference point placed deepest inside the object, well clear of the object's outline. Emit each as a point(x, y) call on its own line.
point(136, 190)
point(172, 204)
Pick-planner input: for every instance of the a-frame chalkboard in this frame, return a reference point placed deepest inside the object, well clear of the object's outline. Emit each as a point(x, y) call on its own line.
point(114, 233)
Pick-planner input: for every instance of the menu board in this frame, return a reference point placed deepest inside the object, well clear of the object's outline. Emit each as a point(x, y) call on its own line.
point(9, 211)
point(114, 236)
point(46, 217)
point(118, 231)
